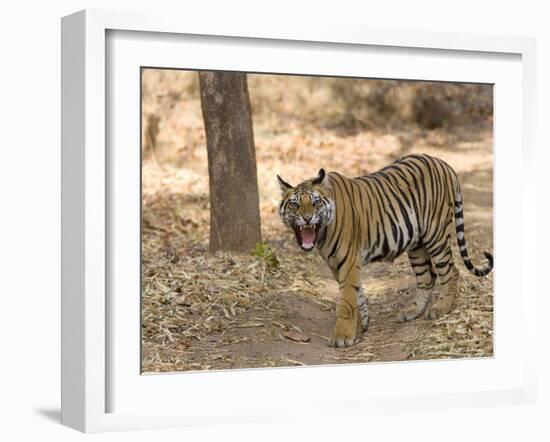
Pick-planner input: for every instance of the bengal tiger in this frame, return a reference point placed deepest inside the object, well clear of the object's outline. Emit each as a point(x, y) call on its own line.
point(407, 206)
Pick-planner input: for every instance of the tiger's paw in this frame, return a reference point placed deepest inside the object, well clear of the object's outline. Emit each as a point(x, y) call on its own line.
point(439, 309)
point(409, 313)
point(343, 335)
point(341, 341)
point(433, 313)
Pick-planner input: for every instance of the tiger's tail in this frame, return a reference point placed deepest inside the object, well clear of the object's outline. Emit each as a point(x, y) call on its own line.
point(461, 239)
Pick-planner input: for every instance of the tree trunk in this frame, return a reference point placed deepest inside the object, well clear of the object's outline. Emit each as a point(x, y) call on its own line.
point(234, 201)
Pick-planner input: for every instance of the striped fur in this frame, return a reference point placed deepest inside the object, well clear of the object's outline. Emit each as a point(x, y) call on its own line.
point(408, 206)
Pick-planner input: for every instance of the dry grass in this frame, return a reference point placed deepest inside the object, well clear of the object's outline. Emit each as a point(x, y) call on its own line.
point(202, 311)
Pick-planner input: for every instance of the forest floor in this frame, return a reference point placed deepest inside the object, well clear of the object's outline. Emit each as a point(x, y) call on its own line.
point(210, 312)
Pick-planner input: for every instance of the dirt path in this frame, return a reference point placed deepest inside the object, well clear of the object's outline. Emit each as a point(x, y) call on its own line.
point(264, 334)
point(386, 339)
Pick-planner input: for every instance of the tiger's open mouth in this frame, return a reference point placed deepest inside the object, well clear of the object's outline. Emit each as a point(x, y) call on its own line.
point(306, 236)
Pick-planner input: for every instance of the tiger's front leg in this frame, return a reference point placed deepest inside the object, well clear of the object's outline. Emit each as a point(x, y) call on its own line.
point(346, 311)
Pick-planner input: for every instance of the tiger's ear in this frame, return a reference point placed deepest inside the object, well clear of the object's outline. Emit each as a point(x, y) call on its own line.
point(283, 184)
point(321, 178)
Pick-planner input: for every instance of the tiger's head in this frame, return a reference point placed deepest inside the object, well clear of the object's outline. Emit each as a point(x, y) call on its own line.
point(307, 208)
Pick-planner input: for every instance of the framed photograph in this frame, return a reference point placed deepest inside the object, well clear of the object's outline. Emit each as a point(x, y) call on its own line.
point(268, 223)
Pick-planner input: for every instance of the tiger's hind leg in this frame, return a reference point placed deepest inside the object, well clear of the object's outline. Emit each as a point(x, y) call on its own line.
point(442, 258)
point(425, 281)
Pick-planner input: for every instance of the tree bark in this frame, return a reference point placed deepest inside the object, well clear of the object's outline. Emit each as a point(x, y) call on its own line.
point(234, 200)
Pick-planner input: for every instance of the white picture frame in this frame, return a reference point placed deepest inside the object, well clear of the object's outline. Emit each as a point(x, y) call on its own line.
point(88, 205)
